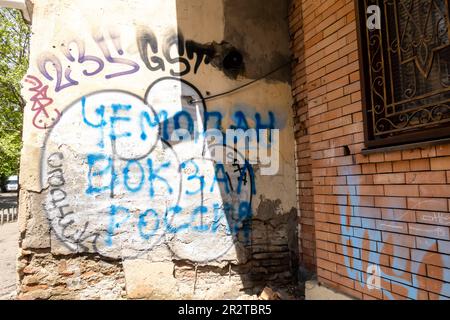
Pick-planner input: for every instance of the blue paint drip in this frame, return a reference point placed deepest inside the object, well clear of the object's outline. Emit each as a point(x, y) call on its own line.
point(145, 118)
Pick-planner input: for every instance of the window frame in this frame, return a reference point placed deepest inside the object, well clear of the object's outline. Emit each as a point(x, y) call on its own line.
point(413, 138)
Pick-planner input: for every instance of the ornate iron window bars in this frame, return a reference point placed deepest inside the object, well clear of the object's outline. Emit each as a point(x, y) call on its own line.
point(405, 70)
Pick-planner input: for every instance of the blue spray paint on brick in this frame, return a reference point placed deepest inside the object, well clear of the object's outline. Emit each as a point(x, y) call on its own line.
point(351, 259)
point(145, 118)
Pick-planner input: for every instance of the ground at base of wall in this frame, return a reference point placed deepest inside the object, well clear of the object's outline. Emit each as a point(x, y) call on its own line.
point(316, 291)
point(89, 277)
point(293, 292)
point(9, 234)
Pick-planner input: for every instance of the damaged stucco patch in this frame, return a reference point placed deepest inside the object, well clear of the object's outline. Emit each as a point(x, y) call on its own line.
point(268, 46)
point(33, 223)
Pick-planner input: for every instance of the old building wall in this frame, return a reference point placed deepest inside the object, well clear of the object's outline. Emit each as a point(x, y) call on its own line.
point(112, 205)
point(307, 258)
point(385, 213)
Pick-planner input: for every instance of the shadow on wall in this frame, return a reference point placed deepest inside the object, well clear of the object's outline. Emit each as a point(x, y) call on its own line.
point(265, 239)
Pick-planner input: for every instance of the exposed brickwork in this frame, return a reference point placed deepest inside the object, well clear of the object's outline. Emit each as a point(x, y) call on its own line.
point(387, 209)
point(87, 277)
point(307, 244)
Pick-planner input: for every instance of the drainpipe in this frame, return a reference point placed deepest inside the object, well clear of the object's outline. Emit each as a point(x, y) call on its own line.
point(23, 5)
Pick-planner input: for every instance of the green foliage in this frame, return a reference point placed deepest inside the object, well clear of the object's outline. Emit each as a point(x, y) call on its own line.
point(14, 48)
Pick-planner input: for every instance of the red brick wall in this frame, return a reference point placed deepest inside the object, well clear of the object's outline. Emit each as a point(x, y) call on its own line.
point(392, 209)
point(307, 248)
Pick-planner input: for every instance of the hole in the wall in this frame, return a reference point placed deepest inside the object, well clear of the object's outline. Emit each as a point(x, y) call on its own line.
point(227, 58)
point(347, 151)
point(233, 61)
point(188, 99)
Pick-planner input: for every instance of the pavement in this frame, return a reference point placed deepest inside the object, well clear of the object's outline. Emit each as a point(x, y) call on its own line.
point(315, 291)
point(9, 246)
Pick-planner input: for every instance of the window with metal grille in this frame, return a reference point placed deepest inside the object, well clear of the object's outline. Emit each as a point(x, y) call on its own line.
point(405, 69)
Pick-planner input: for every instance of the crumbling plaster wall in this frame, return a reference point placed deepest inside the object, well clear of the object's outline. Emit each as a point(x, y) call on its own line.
point(110, 205)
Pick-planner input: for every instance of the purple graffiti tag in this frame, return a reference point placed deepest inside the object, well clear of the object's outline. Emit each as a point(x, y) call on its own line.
point(44, 60)
point(82, 57)
point(115, 37)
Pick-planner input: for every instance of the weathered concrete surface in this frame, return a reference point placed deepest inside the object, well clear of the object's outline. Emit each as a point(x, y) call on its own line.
point(106, 190)
point(9, 244)
point(315, 291)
